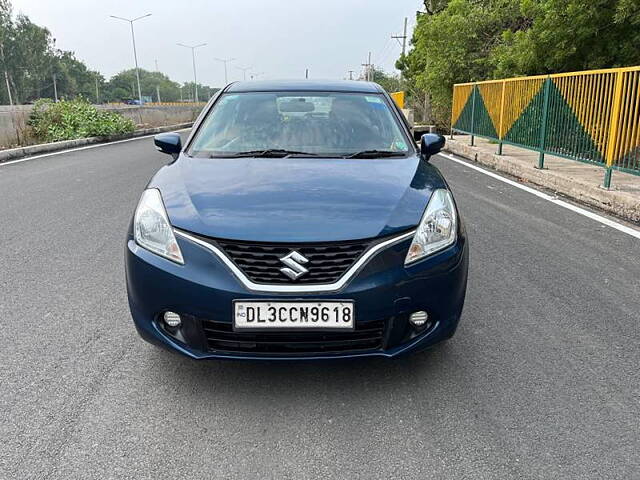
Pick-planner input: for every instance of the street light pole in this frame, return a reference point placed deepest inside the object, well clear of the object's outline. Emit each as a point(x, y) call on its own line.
point(367, 70)
point(135, 53)
point(244, 72)
point(55, 88)
point(225, 61)
point(6, 79)
point(193, 58)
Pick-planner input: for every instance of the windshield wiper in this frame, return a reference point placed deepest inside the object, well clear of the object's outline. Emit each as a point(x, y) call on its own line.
point(271, 152)
point(375, 154)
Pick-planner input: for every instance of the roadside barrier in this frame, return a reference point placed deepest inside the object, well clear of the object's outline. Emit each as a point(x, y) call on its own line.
point(158, 104)
point(591, 116)
point(173, 104)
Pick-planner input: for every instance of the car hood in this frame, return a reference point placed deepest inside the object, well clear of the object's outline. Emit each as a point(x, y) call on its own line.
point(296, 199)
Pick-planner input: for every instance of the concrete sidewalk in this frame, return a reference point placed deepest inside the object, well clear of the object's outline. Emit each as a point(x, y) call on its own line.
point(573, 179)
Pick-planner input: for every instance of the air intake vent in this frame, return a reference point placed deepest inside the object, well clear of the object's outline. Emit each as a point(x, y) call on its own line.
point(221, 338)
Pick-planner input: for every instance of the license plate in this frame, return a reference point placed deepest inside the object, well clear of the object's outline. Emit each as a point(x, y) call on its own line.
point(263, 315)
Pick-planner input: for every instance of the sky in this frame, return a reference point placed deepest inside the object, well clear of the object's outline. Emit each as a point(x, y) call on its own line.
point(277, 38)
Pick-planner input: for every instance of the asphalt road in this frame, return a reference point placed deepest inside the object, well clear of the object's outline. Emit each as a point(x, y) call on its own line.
point(541, 380)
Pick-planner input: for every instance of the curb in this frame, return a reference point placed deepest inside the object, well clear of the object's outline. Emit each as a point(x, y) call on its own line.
point(610, 201)
point(21, 152)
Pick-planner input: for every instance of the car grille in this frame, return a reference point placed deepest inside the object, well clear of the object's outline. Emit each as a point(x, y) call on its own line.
point(220, 337)
point(261, 263)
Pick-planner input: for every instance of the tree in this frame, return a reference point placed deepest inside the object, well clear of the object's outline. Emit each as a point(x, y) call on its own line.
point(432, 7)
point(5, 39)
point(453, 45)
point(30, 59)
point(463, 40)
point(205, 92)
point(123, 86)
point(391, 83)
point(26, 54)
point(74, 78)
point(570, 35)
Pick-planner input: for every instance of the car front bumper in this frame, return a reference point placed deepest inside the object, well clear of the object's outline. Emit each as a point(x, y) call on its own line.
point(385, 293)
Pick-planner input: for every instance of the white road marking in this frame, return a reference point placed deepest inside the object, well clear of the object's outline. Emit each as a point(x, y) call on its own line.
point(594, 216)
point(86, 147)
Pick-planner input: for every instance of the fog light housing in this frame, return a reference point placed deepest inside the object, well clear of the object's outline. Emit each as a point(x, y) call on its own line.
point(419, 319)
point(172, 319)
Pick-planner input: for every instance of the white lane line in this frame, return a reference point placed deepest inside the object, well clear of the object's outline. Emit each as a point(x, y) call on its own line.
point(86, 147)
point(594, 216)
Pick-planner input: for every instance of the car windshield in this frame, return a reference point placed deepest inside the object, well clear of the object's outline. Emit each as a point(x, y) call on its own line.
point(294, 123)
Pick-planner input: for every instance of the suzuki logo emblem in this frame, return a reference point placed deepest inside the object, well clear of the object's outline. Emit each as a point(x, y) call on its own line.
point(293, 261)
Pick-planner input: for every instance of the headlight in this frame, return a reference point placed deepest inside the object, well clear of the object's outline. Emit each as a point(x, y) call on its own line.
point(438, 227)
point(151, 227)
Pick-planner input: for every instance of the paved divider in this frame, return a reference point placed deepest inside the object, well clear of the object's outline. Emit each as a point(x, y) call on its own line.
point(14, 130)
point(21, 152)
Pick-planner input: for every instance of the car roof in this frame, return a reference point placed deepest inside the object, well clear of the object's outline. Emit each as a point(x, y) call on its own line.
point(305, 86)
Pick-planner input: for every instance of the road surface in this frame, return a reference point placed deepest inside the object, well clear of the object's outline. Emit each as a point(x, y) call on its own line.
point(541, 381)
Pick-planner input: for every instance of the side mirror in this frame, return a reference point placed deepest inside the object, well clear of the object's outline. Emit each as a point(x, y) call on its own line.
point(170, 143)
point(430, 144)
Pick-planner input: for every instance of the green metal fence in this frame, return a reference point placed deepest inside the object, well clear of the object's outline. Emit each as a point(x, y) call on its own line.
point(591, 116)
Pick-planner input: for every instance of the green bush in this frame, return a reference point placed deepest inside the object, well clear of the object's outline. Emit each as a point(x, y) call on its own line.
point(68, 120)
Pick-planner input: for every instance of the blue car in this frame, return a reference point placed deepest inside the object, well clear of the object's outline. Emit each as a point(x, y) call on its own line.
point(298, 221)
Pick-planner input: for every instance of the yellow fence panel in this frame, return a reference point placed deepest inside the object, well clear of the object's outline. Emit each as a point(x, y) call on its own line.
point(461, 94)
point(518, 95)
point(398, 97)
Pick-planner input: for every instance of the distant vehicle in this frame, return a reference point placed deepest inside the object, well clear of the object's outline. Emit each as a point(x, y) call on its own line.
point(132, 101)
point(299, 220)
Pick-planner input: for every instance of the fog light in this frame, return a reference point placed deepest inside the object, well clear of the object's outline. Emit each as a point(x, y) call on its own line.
point(172, 319)
point(419, 319)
